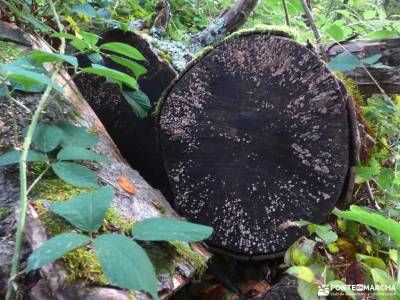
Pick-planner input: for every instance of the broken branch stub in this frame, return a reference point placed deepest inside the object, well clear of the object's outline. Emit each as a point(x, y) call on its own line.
point(255, 134)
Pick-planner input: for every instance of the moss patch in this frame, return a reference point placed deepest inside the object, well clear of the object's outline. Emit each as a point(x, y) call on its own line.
point(8, 52)
point(283, 31)
point(4, 212)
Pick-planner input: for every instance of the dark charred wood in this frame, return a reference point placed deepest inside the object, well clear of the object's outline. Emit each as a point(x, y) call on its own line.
point(254, 134)
point(136, 138)
point(388, 79)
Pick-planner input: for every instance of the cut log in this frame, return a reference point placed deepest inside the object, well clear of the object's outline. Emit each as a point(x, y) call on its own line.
point(388, 79)
point(174, 266)
point(256, 134)
point(136, 138)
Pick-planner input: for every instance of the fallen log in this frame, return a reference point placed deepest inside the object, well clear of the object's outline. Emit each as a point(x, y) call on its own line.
point(136, 137)
point(256, 133)
point(175, 264)
point(388, 79)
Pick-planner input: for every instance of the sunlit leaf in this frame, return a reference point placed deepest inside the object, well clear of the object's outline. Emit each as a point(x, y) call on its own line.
point(123, 49)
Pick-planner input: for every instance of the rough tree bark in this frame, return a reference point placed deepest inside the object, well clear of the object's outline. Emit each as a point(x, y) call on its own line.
point(254, 134)
point(229, 21)
point(388, 79)
point(176, 267)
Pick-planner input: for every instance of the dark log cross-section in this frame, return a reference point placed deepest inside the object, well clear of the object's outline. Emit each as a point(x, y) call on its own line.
point(135, 137)
point(255, 134)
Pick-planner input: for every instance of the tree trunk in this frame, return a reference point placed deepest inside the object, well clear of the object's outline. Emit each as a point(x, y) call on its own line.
point(174, 267)
point(136, 138)
point(229, 21)
point(388, 79)
point(255, 134)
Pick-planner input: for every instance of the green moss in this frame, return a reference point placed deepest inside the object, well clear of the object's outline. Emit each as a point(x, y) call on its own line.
point(8, 52)
point(113, 220)
point(162, 256)
point(351, 88)
point(4, 212)
point(267, 29)
point(188, 255)
point(166, 56)
point(56, 190)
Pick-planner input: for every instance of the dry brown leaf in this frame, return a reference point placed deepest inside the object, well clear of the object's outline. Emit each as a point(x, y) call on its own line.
point(126, 185)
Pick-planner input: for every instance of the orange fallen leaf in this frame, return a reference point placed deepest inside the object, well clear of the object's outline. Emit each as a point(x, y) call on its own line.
point(126, 185)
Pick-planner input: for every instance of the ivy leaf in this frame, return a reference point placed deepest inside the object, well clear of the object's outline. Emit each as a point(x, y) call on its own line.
point(164, 229)
point(75, 174)
point(85, 9)
point(42, 57)
point(86, 211)
point(12, 157)
point(137, 69)
point(125, 263)
point(46, 137)
point(113, 74)
point(123, 49)
point(76, 136)
point(386, 225)
point(344, 62)
point(79, 153)
point(139, 102)
point(55, 248)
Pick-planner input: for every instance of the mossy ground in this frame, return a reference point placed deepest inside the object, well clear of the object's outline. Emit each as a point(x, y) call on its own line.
point(9, 52)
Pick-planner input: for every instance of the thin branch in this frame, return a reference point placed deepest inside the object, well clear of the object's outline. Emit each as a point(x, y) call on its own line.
point(285, 8)
point(37, 180)
point(314, 29)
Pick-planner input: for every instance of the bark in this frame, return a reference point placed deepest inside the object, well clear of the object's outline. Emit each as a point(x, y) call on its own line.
point(147, 202)
point(388, 79)
point(256, 133)
point(229, 21)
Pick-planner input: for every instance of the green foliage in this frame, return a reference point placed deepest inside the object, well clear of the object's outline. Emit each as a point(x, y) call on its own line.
point(138, 101)
point(76, 136)
point(163, 229)
point(123, 49)
point(42, 57)
point(75, 174)
point(86, 211)
point(125, 263)
point(47, 137)
point(12, 157)
point(79, 153)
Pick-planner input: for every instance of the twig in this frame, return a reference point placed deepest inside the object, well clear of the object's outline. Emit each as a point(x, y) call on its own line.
point(286, 13)
point(314, 29)
point(23, 204)
point(37, 180)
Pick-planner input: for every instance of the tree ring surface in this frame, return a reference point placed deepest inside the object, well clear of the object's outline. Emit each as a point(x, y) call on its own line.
point(255, 134)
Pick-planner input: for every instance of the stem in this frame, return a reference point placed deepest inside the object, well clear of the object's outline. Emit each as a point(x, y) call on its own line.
point(23, 202)
point(286, 13)
point(37, 180)
point(314, 29)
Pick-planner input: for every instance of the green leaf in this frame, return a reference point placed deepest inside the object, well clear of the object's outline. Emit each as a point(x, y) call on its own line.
point(365, 173)
point(307, 291)
point(371, 59)
point(113, 74)
point(27, 78)
point(381, 277)
point(137, 69)
point(380, 66)
point(344, 62)
point(12, 157)
point(36, 23)
point(86, 211)
point(164, 229)
point(300, 253)
point(125, 263)
point(55, 248)
point(76, 136)
point(90, 38)
point(66, 36)
point(95, 58)
point(302, 273)
point(46, 137)
point(123, 49)
point(326, 233)
point(85, 9)
point(139, 102)
point(356, 213)
point(79, 153)
point(385, 179)
point(371, 261)
point(369, 14)
point(335, 32)
point(381, 34)
point(75, 174)
point(42, 57)
point(393, 254)
point(80, 45)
